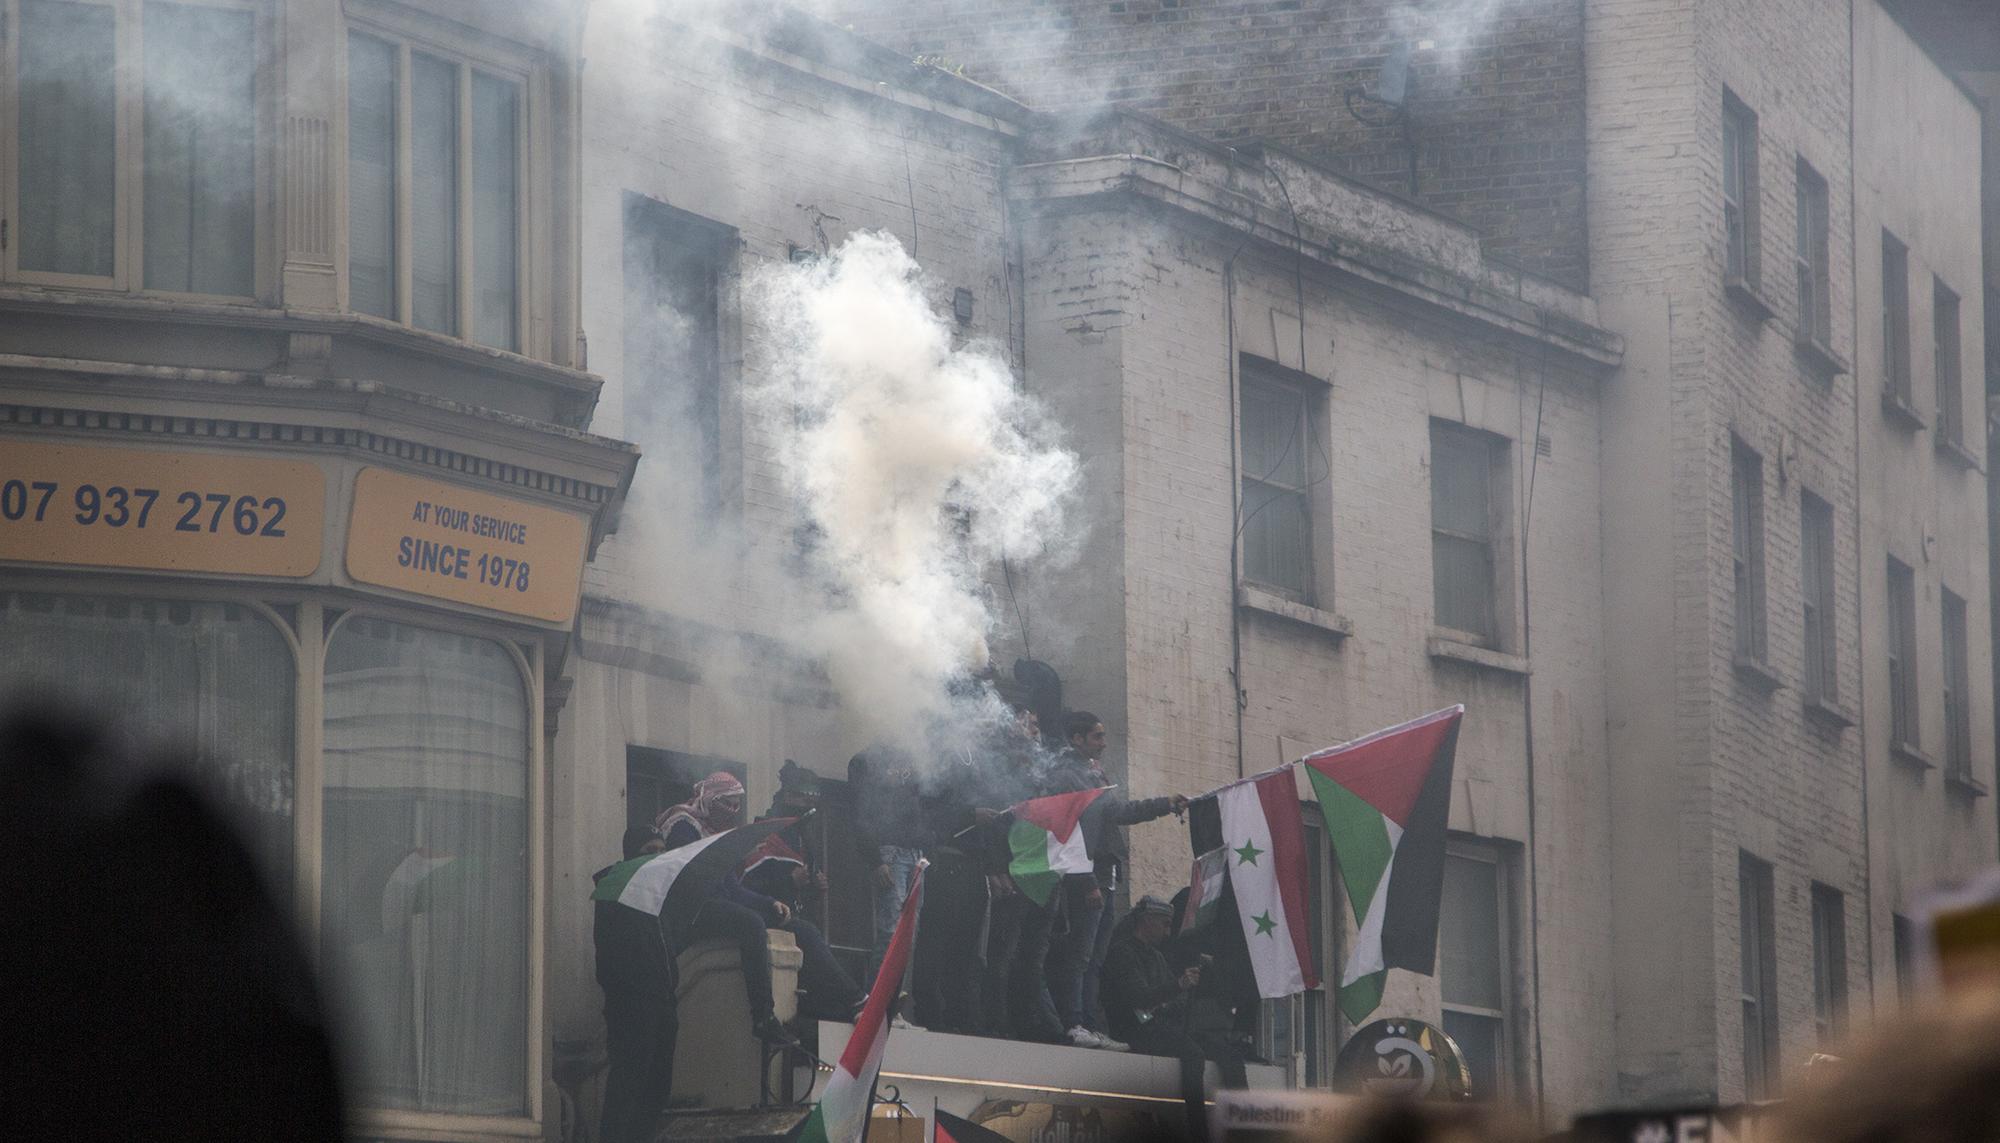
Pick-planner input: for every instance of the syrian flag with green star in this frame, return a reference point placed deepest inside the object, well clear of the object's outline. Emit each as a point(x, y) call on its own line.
point(1267, 867)
point(1046, 841)
point(1387, 800)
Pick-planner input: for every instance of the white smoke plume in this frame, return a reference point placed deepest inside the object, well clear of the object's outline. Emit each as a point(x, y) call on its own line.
point(918, 464)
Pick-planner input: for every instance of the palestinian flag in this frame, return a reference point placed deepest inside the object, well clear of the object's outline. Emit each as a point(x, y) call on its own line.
point(1266, 855)
point(841, 1115)
point(949, 1128)
point(1047, 842)
point(773, 850)
point(1386, 799)
point(675, 883)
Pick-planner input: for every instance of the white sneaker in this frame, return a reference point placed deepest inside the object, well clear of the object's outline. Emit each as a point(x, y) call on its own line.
point(897, 1021)
point(1111, 1045)
point(1083, 1037)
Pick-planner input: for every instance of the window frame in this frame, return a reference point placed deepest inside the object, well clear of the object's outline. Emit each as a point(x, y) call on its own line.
point(1812, 260)
point(1309, 394)
point(1955, 685)
point(1821, 618)
point(1905, 697)
point(1743, 245)
point(1947, 363)
point(1757, 963)
point(1897, 384)
point(407, 36)
point(1748, 596)
point(128, 275)
point(1497, 542)
point(1509, 1066)
point(1829, 962)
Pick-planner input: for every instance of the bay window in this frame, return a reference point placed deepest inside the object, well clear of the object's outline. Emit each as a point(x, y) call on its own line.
point(133, 162)
point(434, 150)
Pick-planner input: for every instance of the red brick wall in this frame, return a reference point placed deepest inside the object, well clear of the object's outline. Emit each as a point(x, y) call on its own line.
point(1498, 106)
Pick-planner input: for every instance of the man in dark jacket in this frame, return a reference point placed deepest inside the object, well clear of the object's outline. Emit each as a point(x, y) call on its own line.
point(641, 1018)
point(1078, 960)
point(1146, 1003)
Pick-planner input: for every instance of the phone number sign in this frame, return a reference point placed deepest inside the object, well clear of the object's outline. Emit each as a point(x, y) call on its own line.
point(453, 543)
point(169, 511)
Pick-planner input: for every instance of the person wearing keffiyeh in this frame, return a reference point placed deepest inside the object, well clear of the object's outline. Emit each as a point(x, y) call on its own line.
point(739, 915)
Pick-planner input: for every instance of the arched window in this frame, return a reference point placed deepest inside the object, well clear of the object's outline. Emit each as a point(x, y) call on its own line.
point(424, 884)
point(213, 679)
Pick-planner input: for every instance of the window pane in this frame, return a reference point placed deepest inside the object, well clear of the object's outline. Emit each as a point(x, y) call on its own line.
point(68, 138)
point(425, 882)
point(1478, 1037)
point(1273, 434)
point(1275, 529)
point(1895, 317)
point(433, 194)
point(1462, 572)
point(1469, 934)
point(495, 131)
point(213, 678)
point(201, 80)
point(1950, 401)
point(371, 177)
point(1461, 469)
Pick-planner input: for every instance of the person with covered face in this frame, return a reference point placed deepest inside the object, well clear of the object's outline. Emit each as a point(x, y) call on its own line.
point(739, 915)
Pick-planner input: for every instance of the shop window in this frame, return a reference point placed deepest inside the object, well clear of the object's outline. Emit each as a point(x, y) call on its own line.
point(187, 98)
point(676, 265)
point(424, 884)
point(434, 191)
point(215, 679)
point(1473, 972)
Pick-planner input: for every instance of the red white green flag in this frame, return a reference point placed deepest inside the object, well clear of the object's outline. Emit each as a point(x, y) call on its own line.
point(1046, 839)
point(1267, 868)
point(1387, 801)
point(841, 1115)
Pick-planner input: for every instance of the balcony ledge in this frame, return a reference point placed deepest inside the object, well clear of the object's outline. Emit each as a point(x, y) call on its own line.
point(1262, 601)
point(1965, 784)
point(1899, 411)
point(1911, 755)
point(1830, 714)
point(1757, 673)
point(1820, 356)
point(1745, 295)
point(1958, 454)
point(1459, 651)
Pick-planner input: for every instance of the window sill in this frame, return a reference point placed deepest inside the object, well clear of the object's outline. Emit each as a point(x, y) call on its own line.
point(1820, 356)
point(1960, 782)
point(1757, 673)
point(1459, 651)
point(1829, 714)
point(1957, 453)
point(1745, 295)
point(1900, 411)
point(1265, 602)
point(1911, 755)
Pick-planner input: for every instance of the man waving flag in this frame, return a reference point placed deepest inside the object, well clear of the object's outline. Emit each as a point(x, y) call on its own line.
point(841, 1116)
point(1387, 800)
point(1265, 850)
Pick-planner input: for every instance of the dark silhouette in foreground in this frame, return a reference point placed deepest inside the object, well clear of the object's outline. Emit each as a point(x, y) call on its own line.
point(156, 987)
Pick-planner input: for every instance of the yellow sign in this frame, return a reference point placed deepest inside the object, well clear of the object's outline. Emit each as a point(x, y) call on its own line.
point(174, 511)
point(453, 543)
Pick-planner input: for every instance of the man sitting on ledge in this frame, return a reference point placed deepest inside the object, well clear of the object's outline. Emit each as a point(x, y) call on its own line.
point(739, 915)
point(1146, 1004)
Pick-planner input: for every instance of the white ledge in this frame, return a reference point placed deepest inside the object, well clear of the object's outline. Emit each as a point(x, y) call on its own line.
point(1457, 650)
point(1271, 603)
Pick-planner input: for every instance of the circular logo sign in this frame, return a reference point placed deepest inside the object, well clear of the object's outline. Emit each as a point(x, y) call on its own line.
point(1405, 1059)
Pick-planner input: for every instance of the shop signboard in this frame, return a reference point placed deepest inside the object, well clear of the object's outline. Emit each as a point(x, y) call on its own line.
point(183, 511)
point(458, 544)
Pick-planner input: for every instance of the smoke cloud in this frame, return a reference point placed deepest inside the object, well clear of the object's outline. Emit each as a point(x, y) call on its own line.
point(917, 464)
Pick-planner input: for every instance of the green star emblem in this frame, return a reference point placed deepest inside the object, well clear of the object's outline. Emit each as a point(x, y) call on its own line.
point(1265, 925)
point(1247, 852)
